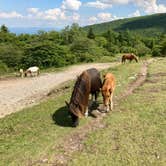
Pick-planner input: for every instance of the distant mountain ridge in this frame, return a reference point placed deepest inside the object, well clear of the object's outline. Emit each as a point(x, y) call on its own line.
point(30, 30)
point(150, 24)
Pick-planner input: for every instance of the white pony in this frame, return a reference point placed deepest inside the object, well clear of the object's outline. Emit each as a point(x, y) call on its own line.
point(32, 71)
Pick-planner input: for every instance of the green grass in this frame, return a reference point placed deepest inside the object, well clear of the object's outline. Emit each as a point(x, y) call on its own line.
point(136, 130)
point(31, 134)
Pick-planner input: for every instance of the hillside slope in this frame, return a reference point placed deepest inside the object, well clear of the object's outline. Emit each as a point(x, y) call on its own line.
point(150, 24)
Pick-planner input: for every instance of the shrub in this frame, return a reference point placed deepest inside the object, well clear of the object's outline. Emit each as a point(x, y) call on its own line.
point(112, 48)
point(3, 68)
point(156, 51)
point(10, 55)
point(142, 50)
point(125, 49)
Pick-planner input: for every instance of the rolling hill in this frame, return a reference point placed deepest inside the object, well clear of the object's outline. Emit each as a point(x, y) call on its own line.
point(149, 25)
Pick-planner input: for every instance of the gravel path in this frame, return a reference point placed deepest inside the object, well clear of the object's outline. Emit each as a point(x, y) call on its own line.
point(20, 93)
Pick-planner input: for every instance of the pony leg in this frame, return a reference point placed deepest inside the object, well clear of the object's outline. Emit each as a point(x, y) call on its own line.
point(96, 96)
point(111, 100)
point(92, 98)
point(108, 108)
point(86, 112)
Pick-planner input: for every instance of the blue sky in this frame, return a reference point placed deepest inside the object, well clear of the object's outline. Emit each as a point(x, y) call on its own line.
point(60, 13)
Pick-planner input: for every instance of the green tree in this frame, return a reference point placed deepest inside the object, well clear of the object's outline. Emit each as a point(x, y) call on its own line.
point(4, 29)
point(45, 54)
point(142, 50)
point(91, 34)
point(163, 45)
point(3, 68)
point(156, 51)
point(11, 55)
point(111, 36)
point(101, 41)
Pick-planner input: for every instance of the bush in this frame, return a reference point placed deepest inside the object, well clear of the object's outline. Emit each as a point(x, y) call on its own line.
point(45, 54)
point(3, 68)
point(125, 49)
point(156, 51)
point(101, 41)
point(112, 48)
point(142, 50)
point(163, 47)
point(11, 55)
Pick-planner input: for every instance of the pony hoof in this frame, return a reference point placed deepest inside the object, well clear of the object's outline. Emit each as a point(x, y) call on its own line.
point(86, 114)
point(75, 124)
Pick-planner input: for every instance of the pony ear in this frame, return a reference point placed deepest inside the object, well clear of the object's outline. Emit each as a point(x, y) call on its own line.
point(67, 104)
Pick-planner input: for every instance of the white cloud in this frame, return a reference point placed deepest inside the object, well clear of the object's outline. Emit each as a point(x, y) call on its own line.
point(13, 14)
point(71, 4)
point(99, 4)
point(92, 20)
point(103, 4)
point(50, 14)
point(116, 1)
point(33, 10)
point(75, 17)
point(54, 14)
point(104, 16)
point(151, 6)
point(135, 14)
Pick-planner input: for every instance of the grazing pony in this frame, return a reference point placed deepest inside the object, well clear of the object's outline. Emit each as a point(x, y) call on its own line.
point(129, 57)
point(32, 71)
point(107, 90)
point(88, 82)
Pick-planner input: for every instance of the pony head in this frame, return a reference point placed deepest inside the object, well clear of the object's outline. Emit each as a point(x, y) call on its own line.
point(73, 110)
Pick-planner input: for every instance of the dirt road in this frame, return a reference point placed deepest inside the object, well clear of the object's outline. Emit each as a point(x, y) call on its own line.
point(16, 94)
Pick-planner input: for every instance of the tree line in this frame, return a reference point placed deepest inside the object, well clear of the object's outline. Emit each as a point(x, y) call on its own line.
point(72, 45)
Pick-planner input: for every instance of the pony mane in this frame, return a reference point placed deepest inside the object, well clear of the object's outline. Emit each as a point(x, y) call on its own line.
point(78, 91)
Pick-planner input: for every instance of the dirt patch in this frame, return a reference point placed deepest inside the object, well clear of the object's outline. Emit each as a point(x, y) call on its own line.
point(157, 74)
point(74, 141)
point(141, 78)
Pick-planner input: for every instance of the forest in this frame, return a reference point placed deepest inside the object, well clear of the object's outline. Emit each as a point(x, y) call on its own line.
point(75, 44)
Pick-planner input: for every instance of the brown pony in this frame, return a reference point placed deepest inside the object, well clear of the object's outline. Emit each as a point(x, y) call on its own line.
point(88, 82)
point(107, 90)
point(129, 57)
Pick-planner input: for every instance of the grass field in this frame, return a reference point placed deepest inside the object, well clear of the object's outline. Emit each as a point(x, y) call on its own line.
point(136, 131)
point(134, 134)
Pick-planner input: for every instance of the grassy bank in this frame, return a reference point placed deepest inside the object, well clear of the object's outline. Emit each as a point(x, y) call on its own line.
point(136, 130)
point(31, 134)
